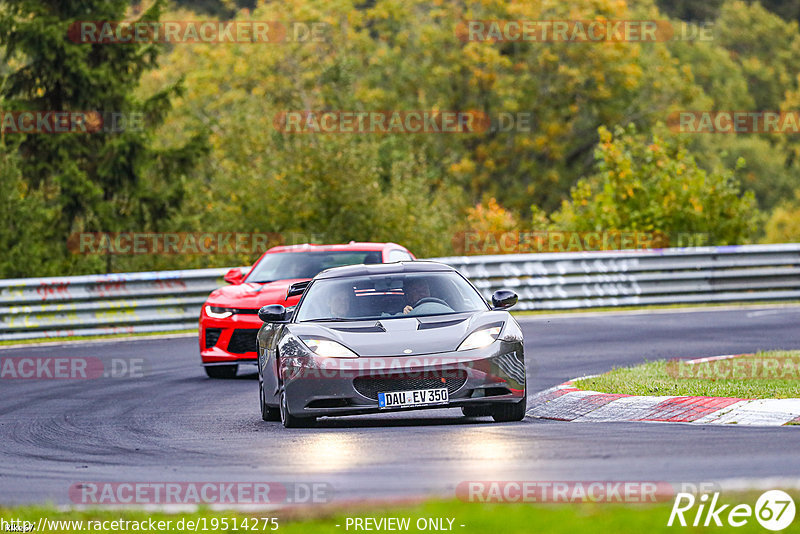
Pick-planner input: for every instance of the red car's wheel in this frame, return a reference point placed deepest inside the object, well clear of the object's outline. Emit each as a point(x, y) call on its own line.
point(221, 371)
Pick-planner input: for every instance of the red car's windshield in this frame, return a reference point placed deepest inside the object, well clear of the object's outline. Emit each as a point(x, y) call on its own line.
point(307, 264)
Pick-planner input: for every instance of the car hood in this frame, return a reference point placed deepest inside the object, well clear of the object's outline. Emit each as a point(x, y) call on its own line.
point(398, 336)
point(252, 295)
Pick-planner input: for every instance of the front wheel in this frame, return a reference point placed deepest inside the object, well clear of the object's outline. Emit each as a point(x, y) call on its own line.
point(505, 413)
point(268, 413)
point(221, 371)
point(289, 420)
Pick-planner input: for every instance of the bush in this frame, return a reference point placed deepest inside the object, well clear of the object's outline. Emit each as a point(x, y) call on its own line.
point(656, 186)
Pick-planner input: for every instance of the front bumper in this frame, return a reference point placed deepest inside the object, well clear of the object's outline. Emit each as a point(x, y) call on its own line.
point(229, 341)
point(330, 386)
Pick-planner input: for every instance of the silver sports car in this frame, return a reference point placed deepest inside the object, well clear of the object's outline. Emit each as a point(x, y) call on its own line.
point(388, 337)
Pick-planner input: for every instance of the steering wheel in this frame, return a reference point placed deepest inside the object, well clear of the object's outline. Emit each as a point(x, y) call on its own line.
point(431, 299)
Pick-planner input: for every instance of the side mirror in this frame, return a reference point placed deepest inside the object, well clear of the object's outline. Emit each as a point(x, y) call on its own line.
point(272, 313)
point(503, 299)
point(235, 276)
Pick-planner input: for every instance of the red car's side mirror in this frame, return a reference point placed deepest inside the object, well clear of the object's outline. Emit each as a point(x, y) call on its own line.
point(234, 276)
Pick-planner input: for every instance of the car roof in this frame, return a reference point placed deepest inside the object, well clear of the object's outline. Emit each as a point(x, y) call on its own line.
point(400, 267)
point(352, 245)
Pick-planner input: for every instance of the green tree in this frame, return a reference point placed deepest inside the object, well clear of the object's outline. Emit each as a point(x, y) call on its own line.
point(783, 225)
point(766, 48)
point(720, 76)
point(407, 55)
point(786, 9)
point(568, 89)
point(217, 8)
point(752, 73)
point(691, 10)
point(335, 187)
point(770, 172)
point(105, 181)
point(25, 219)
point(656, 186)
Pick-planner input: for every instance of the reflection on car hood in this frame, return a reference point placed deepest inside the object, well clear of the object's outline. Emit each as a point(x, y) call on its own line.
point(253, 296)
point(395, 336)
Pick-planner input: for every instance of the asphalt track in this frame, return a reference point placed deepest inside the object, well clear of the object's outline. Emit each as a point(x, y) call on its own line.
point(175, 425)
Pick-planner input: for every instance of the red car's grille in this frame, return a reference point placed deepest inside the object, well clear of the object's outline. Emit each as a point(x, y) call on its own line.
point(243, 340)
point(370, 386)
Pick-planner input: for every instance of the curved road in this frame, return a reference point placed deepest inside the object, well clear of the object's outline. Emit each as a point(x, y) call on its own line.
point(174, 424)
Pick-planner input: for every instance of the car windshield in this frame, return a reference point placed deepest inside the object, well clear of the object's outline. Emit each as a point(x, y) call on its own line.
point(389, 296)
point(307, 264)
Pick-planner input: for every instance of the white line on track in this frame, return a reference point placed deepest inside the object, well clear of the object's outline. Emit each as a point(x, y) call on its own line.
point(772, 309)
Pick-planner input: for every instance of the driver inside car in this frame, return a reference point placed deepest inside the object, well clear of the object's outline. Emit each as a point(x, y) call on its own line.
point(416, 290)
point(340, 306)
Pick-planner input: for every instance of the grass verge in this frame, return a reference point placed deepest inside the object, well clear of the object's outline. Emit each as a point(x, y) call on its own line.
point(476, 518)
point(765, 375)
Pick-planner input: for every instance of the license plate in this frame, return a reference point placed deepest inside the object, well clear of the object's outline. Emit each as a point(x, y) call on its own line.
point(415, 397)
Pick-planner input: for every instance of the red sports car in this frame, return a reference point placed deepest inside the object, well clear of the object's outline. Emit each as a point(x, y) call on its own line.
point(229, 319)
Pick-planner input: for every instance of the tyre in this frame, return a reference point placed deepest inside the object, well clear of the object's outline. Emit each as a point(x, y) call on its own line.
point(289, 420)
point(504, 413)
point(268, 413)
point(221, 371)
point(476, 411)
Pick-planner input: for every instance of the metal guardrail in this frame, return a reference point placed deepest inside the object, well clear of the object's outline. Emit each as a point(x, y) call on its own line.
point(639, 278)
point(171, 300)
point(104, 304)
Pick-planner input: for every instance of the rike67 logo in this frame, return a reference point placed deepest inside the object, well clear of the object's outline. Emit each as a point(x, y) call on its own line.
point(774, 510)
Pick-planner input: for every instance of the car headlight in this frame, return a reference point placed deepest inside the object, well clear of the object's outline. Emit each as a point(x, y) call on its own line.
point(218, 313)
point(328, 349)
point(481, 338)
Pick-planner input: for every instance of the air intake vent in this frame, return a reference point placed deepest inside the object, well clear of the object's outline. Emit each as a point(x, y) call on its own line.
point(243, 340)
point(212, 336)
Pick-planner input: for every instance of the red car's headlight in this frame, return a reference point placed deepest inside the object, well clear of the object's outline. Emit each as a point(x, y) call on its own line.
point(218, 313)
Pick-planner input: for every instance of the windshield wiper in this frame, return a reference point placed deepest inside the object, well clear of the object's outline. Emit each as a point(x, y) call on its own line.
point(330, 320)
